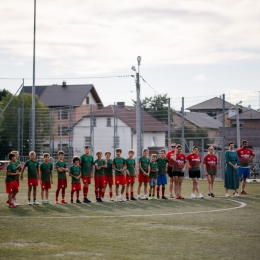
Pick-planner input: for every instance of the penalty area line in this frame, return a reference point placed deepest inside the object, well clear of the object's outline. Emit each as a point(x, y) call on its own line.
point(242, 205)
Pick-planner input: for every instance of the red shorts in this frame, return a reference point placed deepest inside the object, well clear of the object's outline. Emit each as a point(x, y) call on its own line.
point(32, 182)
point(18, 182)
point(130, 179)
point(98, 182)
point(143, 178)
point(75, 186)
point(11, 187)
point(108, 180)
point(120, 180)
point(86, 180)
point(62, 184)
point(45, 185)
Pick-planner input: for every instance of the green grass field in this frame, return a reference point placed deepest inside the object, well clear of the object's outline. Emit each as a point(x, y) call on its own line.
point(210, 228)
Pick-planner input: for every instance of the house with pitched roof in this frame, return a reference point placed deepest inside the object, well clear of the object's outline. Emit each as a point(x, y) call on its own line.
point(213, 108)
point(63, 100)
point(153, 130)
point(197, 120)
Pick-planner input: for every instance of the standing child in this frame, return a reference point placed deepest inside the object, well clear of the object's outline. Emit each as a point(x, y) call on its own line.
point(144, 171)
point(131, 174)
point(18, 166)
point(33, 176)
point(86, 162)
point(162, 169)
point(75, 173)
point(119, 165)
point(10, 181)
point(178, 171)
point(211, 169)
point(62, 178)
point(100, 164)
point(46, 177)
point(194, 163)
point(108, 176)
point(153, 177)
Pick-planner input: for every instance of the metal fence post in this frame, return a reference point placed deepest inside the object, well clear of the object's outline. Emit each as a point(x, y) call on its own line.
point(51, 141)
point(182, 125)
point(22, 120)
point(115, 128)
point(19, 130)
point(223, 136)
point(70, 135)
point(169, 124)
point(60, 129)
point(92, 129)
point(202, 157)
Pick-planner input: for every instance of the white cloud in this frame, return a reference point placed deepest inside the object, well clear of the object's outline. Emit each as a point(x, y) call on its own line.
point(87, 37)
point(200, 77)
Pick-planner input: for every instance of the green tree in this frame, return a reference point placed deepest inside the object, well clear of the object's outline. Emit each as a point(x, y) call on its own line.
point(3, 93)
point(157, 106)
point(9, 124)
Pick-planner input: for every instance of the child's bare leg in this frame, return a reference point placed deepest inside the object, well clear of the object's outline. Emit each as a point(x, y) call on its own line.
point(34, 192)
point(42, 194)
point(29, 192)
point(110, 191)
point(47, 194)
point(122, 189)
point(139, 188)
point(10, 198)
point(117, 187)
point(158, 190)
point(145, 188)
point(127, 190)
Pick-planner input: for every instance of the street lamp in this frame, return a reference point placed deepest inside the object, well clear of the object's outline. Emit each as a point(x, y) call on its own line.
point(138, 108)
point(238, 124)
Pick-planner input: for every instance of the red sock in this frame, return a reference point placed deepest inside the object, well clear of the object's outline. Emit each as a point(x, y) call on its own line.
point(71, 194)
point(85, 191)
point(111, 194)
point(100, 193)
point(57, 193)
point(163, 190)
point(132, 194)
point(77, 194)
point(103, 194)
point(127, 194)
point(63, 193)
point(96, 192)
point(158, 191)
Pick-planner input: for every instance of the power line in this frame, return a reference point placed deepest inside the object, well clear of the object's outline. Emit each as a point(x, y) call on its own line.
point(64, 78)
point(149, 85)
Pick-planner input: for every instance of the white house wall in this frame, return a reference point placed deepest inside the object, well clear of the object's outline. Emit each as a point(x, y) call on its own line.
point(149, 138)
point(91, 99)
point(103, 136)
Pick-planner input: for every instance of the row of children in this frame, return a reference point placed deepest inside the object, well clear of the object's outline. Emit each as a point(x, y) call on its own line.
point(84, 168)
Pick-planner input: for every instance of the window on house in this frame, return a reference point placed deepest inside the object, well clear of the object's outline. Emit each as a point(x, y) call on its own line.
point(117, 141)
point(64, 130)
point(64, 114)
point(87, 140)
point(153, 139)
point(212, 114)
point(94, 122)
point(87, 100)
point(108, 121)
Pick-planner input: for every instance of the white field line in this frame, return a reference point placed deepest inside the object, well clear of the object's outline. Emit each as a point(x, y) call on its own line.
point(241, 205)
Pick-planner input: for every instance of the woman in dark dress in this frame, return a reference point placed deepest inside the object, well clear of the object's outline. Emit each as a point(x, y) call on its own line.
point(231, 174)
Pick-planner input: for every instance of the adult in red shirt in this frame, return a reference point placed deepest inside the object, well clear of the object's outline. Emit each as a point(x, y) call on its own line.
point(178, 171)
point(194, 163)
point(169, 156)
point(245, 156)
point(210, 169)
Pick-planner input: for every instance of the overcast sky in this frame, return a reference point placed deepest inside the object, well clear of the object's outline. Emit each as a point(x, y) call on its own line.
point(196, 49)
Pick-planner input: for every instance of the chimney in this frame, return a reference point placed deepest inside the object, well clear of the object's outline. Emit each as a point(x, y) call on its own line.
point(121, 104)
point(64, 83)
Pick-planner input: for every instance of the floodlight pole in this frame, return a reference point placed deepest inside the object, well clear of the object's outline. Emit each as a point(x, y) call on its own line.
point(33, 85)
point(238, 126)
point(138, 111)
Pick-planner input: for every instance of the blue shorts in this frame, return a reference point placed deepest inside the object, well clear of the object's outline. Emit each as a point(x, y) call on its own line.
point(161, 179)
point(243, 172)
point(153, 182)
